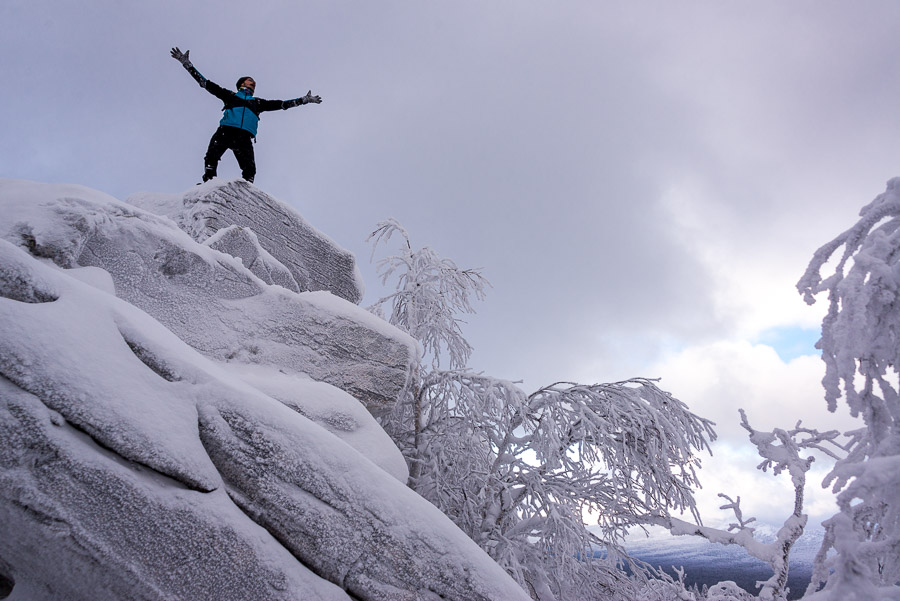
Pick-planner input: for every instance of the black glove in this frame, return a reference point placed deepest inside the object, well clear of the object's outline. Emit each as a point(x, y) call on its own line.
point(182, 57)
point(310, 98)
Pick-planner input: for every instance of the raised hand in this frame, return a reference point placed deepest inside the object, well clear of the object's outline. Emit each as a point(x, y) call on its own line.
point(182, 57)
point(310, 98)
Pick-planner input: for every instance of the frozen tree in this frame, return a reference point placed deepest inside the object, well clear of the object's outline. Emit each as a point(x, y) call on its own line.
point(429, 294)
point(518, 472)
point(782, 451)
point(861, 348)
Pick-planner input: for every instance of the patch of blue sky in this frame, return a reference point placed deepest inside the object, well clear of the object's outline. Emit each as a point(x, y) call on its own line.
point(791, 342)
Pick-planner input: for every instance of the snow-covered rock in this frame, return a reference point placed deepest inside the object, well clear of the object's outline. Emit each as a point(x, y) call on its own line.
point(134, 467)
point(80, 522)
point(313, 259)
point(242, 243)
point(210, 299)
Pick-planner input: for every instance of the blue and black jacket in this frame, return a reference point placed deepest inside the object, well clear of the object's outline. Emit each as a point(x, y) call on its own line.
point(241, 108)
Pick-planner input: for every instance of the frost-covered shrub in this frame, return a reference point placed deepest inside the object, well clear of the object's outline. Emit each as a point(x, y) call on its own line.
point(666, 588)
point(520, 472)
point(727, 591)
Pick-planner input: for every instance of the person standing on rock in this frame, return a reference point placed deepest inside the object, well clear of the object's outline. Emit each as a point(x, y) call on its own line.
point(237, 129)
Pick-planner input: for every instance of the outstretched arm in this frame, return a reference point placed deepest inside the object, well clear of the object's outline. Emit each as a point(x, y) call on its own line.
point(274, 105)
point(309, 98)
point(185, 60)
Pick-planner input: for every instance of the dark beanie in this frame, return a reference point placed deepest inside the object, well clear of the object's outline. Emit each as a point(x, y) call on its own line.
point(241, 80)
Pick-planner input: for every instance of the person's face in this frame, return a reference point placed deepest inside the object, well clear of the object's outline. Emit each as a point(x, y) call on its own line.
point(249, 83)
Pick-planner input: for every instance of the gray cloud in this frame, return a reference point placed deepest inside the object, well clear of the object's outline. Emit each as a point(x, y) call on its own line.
point(537, 141)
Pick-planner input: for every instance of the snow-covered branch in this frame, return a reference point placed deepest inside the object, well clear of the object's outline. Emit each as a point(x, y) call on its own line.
point(430, 291)
point(861, 350)
point(781, 451)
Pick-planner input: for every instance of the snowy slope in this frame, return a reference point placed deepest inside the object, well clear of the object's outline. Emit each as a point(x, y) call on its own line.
point(134, 467)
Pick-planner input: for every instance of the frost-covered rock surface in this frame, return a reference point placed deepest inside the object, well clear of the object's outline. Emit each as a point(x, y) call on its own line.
point(314, 260)
point(134, 467)
point(210, 299)
point(242, 243)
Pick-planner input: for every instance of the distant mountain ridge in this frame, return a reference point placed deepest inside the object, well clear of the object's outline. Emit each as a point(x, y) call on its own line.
point(707, 563)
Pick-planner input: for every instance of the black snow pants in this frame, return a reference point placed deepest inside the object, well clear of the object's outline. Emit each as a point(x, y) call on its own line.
point(240, 142)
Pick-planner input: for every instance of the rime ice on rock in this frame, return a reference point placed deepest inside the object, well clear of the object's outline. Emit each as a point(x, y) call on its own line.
point(242, 243)
point(314, 260)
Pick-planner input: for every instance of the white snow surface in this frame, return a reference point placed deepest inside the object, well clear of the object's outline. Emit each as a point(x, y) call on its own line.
point(296, 470)
point(329, 407)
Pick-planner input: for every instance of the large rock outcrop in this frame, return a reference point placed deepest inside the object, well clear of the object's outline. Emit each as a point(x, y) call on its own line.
point(210, 299)
point(313, 259)
point(133, 466)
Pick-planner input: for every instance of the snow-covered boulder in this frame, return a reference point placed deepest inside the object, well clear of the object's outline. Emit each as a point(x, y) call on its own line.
point(313, 259)
point(81, 522)
point(133, 467)
point(210, 299)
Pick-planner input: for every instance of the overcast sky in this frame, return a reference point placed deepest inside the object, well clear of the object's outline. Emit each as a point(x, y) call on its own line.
point(642, 182)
